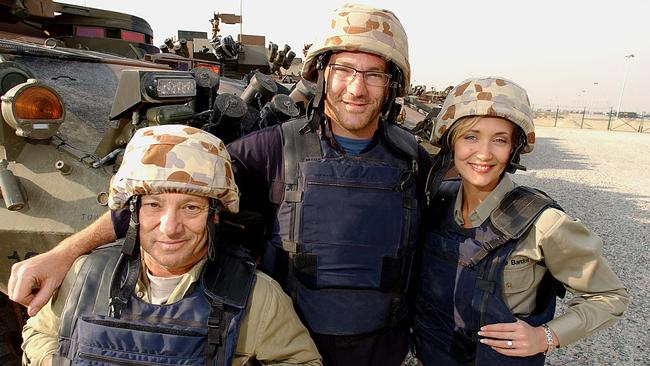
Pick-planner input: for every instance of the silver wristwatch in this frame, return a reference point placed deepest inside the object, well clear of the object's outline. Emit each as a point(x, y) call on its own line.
point(549, 340)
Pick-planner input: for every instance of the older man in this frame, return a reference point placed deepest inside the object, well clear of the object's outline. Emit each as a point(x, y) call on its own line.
point(170, 293)
point(340, 190)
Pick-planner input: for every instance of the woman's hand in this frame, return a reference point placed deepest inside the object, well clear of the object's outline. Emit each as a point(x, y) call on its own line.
point(515, 339)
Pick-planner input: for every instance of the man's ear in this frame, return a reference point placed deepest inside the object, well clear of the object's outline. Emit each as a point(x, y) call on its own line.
point(215, 219)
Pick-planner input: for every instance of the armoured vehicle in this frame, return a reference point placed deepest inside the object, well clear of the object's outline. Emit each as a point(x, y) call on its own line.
point(56, 98)
point(76, 82)
point(419, 110)
point(73, 89)
point(76, 27)
point(237, 58)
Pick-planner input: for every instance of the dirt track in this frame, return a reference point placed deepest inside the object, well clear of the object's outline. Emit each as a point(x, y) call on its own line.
point(603, 178)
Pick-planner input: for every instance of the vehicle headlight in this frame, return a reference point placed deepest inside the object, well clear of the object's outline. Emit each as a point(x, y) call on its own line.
point(162, 86)
point(175, 88)
point(33, 109)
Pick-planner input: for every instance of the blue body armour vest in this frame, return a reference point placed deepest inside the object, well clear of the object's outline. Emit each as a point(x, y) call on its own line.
point(147, 334)
point(345, 232)
point(461, 283)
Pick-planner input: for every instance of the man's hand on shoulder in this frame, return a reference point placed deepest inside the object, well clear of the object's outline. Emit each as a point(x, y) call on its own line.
point(33, 281)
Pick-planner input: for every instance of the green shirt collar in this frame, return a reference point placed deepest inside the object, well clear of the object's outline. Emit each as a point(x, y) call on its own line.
point(483, 211)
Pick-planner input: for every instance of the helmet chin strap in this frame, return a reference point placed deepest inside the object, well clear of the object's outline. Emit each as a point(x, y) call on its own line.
point(127, 271)
point(212, 230)
point(316, 107)
point(391, 109)
point(513, 164)
point(131, 245)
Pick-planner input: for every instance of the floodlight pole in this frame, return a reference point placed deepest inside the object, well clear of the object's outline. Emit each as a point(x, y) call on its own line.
point(627, 69)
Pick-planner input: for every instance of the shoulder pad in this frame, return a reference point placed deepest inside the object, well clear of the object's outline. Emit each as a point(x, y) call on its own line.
point(449, 188)
point(88, 290)
point(229, 279)
point(518, 211)
point(296, 147)
point(445, 195)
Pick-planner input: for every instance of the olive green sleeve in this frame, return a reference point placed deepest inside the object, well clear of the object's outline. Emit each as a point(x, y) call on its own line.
point(40, 336)
point(271, 331)
point(40, 333)
point(573, 255)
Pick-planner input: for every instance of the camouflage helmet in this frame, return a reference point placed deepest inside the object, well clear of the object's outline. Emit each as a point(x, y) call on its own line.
point(364, 29)
point(175, 158)
point(489, 96)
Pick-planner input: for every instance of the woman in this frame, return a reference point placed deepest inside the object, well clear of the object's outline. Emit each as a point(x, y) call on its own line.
point(495, 256)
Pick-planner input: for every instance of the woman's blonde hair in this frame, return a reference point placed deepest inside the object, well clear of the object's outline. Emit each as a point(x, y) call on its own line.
point(459, 128)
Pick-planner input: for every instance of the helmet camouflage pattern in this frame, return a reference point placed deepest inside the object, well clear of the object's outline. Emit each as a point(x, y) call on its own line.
point(489, 96)
point(175, 158)
point(364, 29)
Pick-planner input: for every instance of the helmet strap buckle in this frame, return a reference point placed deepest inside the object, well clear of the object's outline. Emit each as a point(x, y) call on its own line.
point(319, 62)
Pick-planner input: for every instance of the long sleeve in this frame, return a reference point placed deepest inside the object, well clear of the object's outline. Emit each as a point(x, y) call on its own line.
point(40, 333)
point(573, 254)
point(258, 168)
point(271, 332)
point(40, 336)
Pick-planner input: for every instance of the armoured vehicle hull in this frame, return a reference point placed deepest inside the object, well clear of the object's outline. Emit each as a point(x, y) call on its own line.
point(54, 175)
point(61, 170)
point(77, 27)
point(64, 179)
point(63, 200)
point(48, 187)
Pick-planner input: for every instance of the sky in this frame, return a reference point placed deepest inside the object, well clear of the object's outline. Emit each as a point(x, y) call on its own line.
point(570, 53)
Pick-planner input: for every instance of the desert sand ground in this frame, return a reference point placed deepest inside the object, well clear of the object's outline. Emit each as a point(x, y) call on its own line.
point(603, 178)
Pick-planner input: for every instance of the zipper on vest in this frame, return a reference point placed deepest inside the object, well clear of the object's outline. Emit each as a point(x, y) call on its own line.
point(146, 328)
point(117, 361)
point(340, 185)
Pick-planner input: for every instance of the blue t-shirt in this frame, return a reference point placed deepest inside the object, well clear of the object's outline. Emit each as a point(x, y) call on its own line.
point(352, 146)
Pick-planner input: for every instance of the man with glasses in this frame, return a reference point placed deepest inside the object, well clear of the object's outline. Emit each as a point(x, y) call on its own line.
point(340, 191)
point(341, 187)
